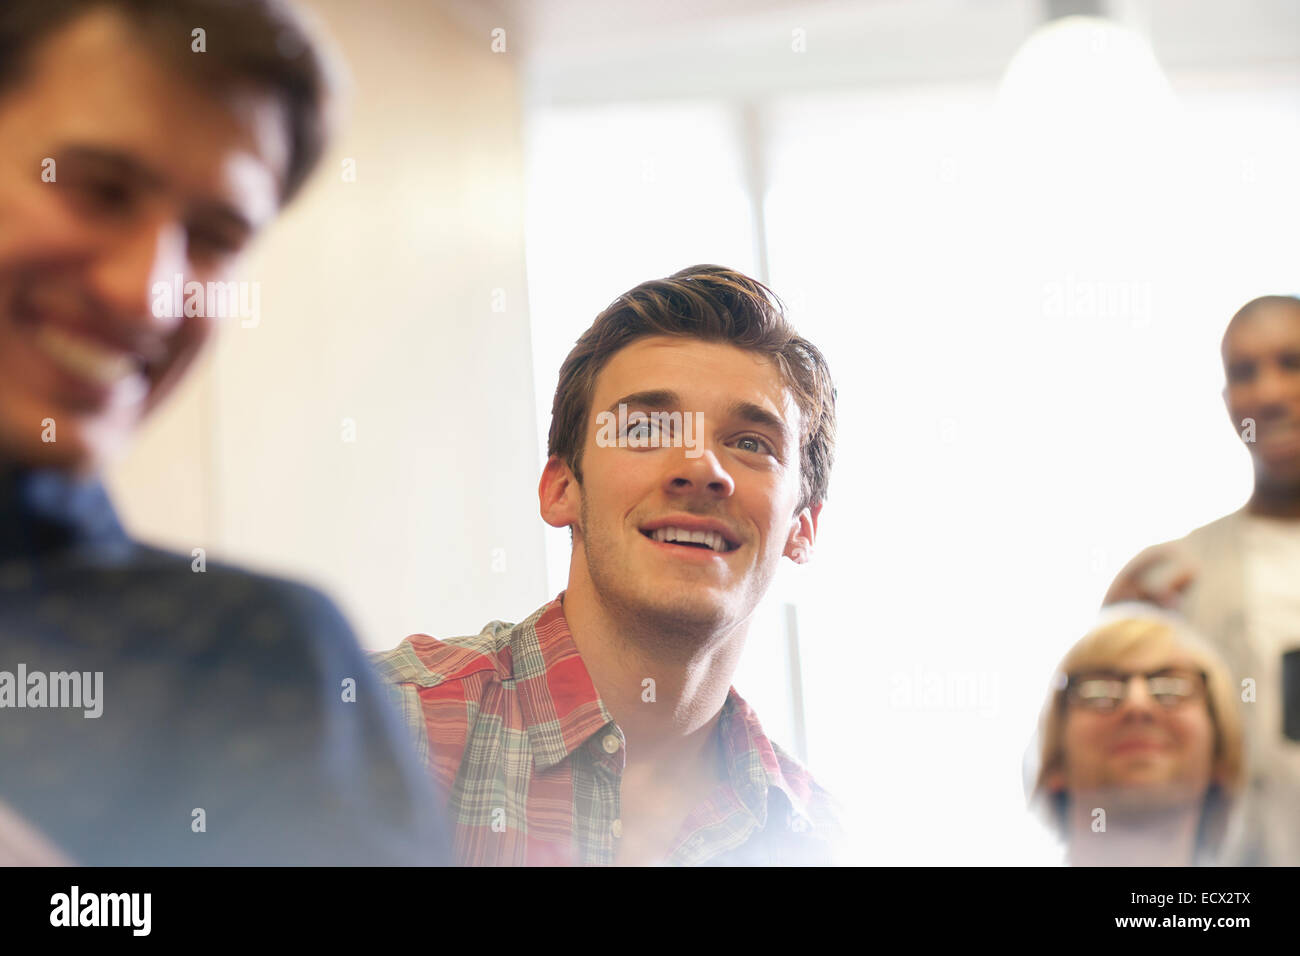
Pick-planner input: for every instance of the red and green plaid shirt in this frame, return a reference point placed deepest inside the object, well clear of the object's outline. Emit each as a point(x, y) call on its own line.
point(513, 730)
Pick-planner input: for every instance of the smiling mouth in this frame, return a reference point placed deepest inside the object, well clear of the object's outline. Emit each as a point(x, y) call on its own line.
point(88, 360)
point(1278, 433)
point(1139, 746)
point(702, 540)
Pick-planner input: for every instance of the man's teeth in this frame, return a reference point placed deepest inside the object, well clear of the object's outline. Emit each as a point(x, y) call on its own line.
point(710, 538)
point(85, 358)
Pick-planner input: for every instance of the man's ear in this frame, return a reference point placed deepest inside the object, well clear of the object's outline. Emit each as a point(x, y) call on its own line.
point(1237, 425)
point(803, 531)
point(1054, 782)
point(558, 494)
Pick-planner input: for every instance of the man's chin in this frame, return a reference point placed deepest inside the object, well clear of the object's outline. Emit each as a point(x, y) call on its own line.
point(65, 445)
point(1136, 796)
point(1277, 470)
point(687, 608)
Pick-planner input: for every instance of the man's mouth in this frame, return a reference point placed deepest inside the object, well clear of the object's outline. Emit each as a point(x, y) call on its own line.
point(1139, 745)
point(704, 540)
point(1278, 433)
point(79, 356)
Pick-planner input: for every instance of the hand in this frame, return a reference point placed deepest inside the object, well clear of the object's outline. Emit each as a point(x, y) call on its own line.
point(1159, 575)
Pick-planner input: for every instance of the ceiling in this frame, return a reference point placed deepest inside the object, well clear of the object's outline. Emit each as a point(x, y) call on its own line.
point(607, 50)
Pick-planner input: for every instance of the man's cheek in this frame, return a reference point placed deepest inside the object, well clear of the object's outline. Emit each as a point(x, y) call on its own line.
point(38, 226)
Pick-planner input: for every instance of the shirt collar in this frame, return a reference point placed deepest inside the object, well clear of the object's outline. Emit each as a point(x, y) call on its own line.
point(563, 711)
point(753, 766)
point(47, 511)
point(561, 707)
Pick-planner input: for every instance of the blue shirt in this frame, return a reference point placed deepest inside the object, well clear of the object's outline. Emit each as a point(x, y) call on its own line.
point(239, 721)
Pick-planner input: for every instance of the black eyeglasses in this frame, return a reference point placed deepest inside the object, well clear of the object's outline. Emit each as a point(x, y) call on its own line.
point(1105, 690)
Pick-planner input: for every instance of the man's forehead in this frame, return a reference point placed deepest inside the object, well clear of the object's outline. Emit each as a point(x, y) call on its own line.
point(1145, 661)
point(698, 371)
point(1264, 327)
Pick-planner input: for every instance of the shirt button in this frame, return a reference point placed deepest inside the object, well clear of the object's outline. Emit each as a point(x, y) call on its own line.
point(616, 827)
point(610, 743)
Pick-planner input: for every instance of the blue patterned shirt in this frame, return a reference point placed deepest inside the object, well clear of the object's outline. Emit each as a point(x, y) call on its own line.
point(239, 722)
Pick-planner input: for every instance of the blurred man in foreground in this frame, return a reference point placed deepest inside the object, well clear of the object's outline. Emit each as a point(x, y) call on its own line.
point(691, 442)
point(1237, 580)
point(1140, 747)
point(155, 709)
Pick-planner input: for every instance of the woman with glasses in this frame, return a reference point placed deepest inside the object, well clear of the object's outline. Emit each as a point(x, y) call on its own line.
point(1141, 750)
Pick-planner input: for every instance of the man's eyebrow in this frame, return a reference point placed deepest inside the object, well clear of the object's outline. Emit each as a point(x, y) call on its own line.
point(652, 398)
point(757, 415)
point(117, 160)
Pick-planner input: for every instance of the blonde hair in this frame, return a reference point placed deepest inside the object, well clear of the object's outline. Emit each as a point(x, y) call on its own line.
point(1119, 636)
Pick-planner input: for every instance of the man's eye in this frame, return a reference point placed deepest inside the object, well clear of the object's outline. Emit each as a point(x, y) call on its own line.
point(755, 444)
point(104, 195)
point(207, 243)
point(1169, 687)
point(1242, 372)
point(641, 427)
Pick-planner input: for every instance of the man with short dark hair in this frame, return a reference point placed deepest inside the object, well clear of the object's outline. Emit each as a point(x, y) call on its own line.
point(691, 443)
point(155, 710)
point(1235, 580)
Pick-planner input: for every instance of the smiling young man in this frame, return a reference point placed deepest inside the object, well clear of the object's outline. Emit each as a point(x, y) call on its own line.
point(153, 710)
point(604, 728)
point(1142, 726)
point(1235, 579)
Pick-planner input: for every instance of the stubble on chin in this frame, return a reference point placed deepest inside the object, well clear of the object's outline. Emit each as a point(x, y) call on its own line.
point(670, 615)
point(1145, 801)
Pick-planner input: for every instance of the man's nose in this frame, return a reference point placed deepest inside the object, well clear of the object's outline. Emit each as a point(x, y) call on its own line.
point(699, 472)
point(125, 273)
point(1138, 701)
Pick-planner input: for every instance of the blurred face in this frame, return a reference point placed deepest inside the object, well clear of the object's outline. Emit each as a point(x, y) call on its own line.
point(1261, 359)
point(1152, 751)
point(152, 177)
point(690, 537)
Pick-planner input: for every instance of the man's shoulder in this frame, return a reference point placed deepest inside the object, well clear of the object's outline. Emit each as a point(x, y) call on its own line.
point(243, 603)
point(428, 661)
point(177, 605)
point(224, 679)
point(1218, 530)
point(436, 685)
point(1204, 541)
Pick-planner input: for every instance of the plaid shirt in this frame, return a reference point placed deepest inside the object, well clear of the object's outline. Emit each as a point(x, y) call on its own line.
point(513, 730)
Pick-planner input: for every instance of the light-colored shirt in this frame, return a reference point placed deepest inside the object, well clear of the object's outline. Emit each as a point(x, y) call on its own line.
point(1244, 566)
point(1272, 590)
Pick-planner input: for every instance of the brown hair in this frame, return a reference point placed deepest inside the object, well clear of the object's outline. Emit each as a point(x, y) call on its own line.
point(1100, 648)
point(262, 43)
point(715, 304)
